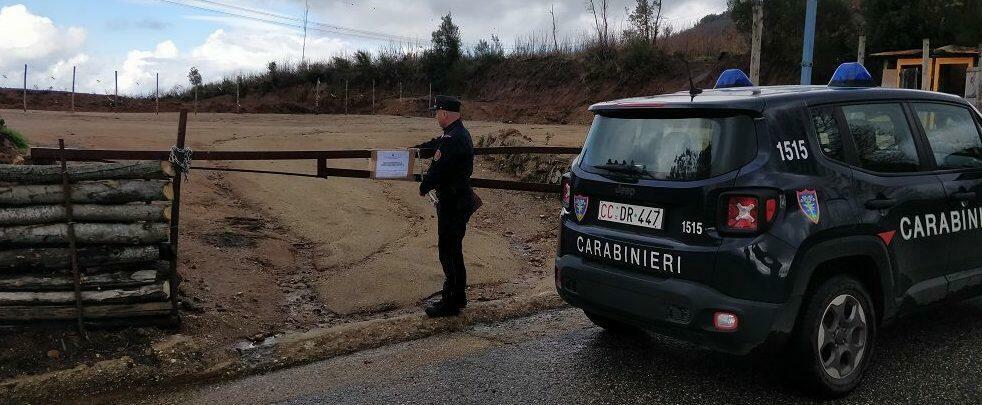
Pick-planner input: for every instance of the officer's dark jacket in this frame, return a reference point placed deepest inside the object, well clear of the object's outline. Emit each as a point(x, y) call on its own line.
point(452, 171)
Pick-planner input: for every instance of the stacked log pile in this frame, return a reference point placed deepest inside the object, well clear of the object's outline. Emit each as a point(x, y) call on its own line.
point(121, 219)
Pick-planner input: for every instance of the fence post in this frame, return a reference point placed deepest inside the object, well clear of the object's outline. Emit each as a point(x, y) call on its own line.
point(238, 106)
point(861, 58)
point(400, 92)
point(25, 87)
point(317, 95)
point(66, 190)
point(157, 92)
point(431, 96)
point(116, 91)
point(195, 99)
point(345, 97)
point(73, 89)
point(758, 30)
point(373, 96)
point(176, 214)
point(926, 65)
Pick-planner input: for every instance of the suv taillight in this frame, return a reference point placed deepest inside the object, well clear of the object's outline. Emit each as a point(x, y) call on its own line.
point(747, 213)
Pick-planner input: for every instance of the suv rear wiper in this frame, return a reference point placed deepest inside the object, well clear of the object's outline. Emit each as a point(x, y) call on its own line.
point(630, 169)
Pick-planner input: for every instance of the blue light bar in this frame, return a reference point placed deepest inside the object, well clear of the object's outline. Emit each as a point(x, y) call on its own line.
point(733, 78)
point(851, 74)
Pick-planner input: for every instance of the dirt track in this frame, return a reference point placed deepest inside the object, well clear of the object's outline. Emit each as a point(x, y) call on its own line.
point(264, 254)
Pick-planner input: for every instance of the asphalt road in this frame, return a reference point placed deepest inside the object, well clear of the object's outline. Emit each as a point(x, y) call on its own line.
point(558, 357)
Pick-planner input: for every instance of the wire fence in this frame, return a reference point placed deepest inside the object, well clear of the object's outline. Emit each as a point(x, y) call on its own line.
point(335, 96)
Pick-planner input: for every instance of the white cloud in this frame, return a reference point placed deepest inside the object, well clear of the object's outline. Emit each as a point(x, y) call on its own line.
point(35, 40)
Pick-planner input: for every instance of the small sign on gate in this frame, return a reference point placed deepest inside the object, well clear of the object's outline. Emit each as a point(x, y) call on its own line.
point(396, 164)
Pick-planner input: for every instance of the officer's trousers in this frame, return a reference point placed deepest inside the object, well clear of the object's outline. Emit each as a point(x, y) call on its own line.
point(453, 212)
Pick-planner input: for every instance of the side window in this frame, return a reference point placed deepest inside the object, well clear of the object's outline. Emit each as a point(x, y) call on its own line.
point(952, 133)
point(884, 142)
point(829, 138)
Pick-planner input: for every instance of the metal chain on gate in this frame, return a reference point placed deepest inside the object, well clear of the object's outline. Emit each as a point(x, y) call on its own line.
point(181, 159)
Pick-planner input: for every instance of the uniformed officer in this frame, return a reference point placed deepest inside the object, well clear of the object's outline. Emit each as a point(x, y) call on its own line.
point(449, 174)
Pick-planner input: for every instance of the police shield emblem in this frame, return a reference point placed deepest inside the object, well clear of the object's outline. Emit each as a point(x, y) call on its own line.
point(808, 201)
point(580, 204)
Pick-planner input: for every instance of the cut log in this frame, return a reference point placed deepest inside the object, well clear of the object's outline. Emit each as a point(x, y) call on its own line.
point(46, 214)
point(59, 258)
point(149, 293)
point(67, 313)
point(65, 282)
point(51, 174)
point(97, 192)
point(113, 234)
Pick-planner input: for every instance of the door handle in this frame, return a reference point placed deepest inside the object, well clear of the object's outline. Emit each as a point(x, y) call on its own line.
point(880, 204)
point(964, 196)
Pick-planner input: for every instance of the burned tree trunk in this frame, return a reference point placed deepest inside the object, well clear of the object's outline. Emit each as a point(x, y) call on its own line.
point(99, 192)
point(114, 234)
point(46, 214)
point(149, 293)
point(65, 282)
point(59, 258)
point(51, 174)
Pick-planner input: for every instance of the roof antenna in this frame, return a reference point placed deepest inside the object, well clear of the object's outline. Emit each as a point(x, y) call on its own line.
point(693, 90)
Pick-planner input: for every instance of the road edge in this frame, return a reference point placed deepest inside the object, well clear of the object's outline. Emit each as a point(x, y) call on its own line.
point(180, 360)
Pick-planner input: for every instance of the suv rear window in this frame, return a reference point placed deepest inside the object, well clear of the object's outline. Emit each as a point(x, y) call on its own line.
point(670, 148)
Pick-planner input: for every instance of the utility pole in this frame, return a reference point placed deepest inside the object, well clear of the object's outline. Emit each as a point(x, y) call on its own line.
point(808, 49)
point(157, 92)
point(116, 91)
point(758, 32)
point(303, 52)
point(861, 58)
point(926, 65)
point(25, 87)
point(73, 89)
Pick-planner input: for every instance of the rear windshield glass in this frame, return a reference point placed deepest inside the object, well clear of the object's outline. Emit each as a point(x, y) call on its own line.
point(676, 148)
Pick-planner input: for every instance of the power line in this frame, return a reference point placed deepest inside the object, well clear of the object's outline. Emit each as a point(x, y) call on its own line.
point(271, 18)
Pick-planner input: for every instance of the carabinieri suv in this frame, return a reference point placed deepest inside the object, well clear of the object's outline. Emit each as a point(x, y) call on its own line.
point(795, 218)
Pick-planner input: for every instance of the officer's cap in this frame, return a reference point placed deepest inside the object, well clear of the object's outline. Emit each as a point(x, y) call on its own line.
point(446, 103)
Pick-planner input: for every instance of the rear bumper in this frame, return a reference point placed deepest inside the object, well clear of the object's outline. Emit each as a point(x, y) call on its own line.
point(673, 307)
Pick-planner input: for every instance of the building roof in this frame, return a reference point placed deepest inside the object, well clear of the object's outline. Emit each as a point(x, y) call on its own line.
point(944, 50)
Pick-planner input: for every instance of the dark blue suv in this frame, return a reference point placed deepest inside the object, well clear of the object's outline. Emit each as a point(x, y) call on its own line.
point(798, 218)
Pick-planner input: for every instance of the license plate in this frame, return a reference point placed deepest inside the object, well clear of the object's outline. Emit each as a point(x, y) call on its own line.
point(636, 215)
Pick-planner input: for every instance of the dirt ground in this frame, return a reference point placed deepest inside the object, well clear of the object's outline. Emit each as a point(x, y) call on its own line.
point(265, 254)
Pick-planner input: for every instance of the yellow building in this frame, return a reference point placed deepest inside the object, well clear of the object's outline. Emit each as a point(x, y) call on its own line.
point(950, 68)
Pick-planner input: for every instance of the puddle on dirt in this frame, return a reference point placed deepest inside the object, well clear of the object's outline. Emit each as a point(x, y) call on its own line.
point(229, 239)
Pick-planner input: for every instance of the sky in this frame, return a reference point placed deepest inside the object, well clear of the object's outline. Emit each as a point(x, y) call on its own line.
point(141, 38)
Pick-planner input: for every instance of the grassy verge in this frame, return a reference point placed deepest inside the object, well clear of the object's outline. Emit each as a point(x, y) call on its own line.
point(16, 138)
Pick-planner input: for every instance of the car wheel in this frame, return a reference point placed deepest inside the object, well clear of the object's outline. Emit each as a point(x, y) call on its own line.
point(835, 338)
point(611, 325)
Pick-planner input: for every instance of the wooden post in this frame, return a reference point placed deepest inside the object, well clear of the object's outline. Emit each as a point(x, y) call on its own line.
point(175, 214)
point(400, 92)
point(66, 189)
point(25, 87)
point(196, 100)
point(431, 96)
point(317, 95)
point(346, 97)
point(158, 94)
point(758, 32)
point(73, 89)
point(238, 106)
point(373, 96)
point(116, 91)
point(926, 65)
point(861, 58)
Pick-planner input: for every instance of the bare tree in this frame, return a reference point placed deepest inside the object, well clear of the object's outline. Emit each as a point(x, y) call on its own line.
point(555, 39)
point(600, 21)
point(644, 21)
